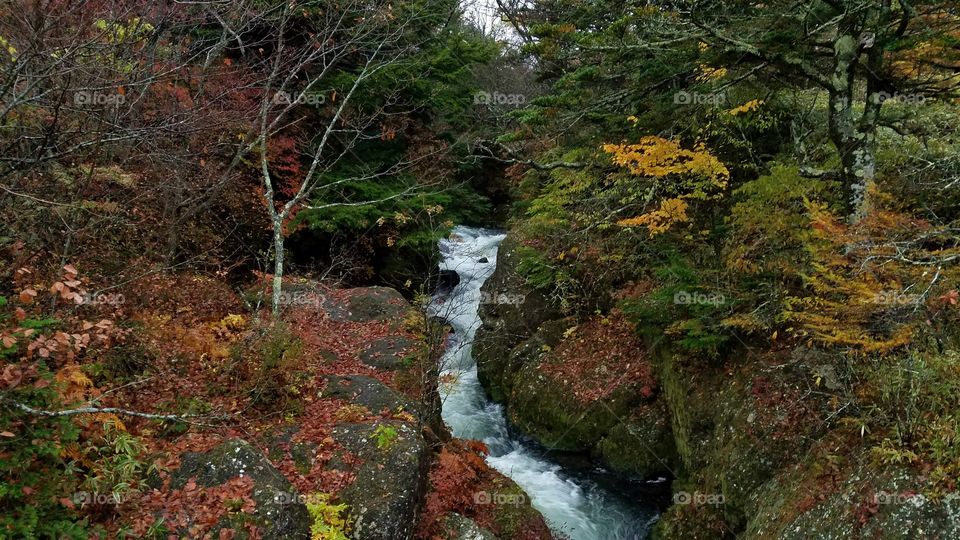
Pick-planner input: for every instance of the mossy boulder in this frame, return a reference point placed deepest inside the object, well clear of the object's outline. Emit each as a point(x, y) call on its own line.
point(515, 517)
point(506, 323)
point(280, 512)
point(642, 444)
point(391, 352)
point(368, 392)
point(546, 408)
point(365, 304)
point(390, 482)
point(869, 502)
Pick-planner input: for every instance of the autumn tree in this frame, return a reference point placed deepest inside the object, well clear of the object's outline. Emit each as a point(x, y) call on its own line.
point(97, 97)
point(860, 54)
point(324, 66)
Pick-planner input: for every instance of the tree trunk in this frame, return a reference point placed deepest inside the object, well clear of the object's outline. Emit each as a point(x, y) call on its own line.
point(277, 266)
point(854, 142)
point(857, 160)
point(173, 241)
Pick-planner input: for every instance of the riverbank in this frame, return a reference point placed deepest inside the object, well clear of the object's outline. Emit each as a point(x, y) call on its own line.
point(321, 424)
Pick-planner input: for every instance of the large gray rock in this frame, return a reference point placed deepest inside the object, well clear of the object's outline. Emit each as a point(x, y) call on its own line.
point(366, 391)
point(390, 484)
point(390, 353)
point(868, 503)
point(280, 512)
point(367, 304)
point(506, 323)
point(460, 527)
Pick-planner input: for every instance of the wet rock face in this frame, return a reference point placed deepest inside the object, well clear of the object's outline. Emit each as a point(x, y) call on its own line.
point(390, 482)
point(506, 324)
point(445, 281)
point(368, 304)
point(280, 512)
point(640, 445)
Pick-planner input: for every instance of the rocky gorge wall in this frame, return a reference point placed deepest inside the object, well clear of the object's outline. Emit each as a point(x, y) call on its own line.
point(747, 441)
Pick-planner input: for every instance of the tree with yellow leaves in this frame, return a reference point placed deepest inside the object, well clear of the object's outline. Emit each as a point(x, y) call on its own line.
point(668, 175)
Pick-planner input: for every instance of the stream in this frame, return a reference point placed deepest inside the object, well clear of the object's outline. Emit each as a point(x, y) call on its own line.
point(577, 504)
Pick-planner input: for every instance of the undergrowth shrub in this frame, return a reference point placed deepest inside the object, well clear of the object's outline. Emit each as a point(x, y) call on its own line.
point(913, 406)
point(267, 361)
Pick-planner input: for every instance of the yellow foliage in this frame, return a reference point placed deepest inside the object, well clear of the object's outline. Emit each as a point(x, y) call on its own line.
point(75, 382)
point(231, 322)
point(671, 211)
point(11, 50)
point(329, 520)
point(708, 73)
point(658, 157)
point(686, 174)
point(861, 295)
point(748, 107)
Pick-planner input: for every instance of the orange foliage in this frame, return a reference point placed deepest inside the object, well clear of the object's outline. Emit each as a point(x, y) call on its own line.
point(875, 285)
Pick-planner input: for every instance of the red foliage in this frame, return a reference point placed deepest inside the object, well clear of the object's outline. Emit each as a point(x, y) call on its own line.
point(458, 475)
point(284, 157)
point(194, 509)
point(601, 356)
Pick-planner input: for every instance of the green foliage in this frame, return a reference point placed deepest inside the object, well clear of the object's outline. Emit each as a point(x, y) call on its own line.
point(535, 269)
point(769, 224)
point(384, 435)
point(117, 463)
point(34, 475)
point(684, 307)
point(329, 522)
point(266, 365)
point(400, 211)
point(765, 250)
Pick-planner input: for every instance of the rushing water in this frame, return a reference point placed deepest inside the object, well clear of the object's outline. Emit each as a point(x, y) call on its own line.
point(573, 503)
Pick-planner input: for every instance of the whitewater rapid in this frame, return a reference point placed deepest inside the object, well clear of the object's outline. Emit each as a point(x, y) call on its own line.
point(572, 504)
